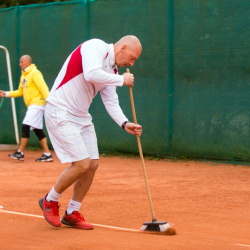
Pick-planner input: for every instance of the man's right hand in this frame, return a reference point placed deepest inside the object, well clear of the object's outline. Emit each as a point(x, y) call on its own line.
point(128, 79)
point(2, 93)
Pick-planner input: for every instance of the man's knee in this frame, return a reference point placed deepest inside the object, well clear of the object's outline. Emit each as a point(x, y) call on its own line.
point(82, 166)
point(86, 165)
point(94, 165)
point(39, 133)
point(25, 131)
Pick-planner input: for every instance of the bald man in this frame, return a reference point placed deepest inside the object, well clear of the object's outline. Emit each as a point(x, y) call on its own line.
point(91, 68)
point(34, 91)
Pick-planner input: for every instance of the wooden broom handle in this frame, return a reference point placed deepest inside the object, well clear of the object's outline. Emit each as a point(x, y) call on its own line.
point(141, 154)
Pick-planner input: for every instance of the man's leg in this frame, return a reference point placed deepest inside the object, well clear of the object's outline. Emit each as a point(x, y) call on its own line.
point(71, 174)
point(48, 203)
point(81, 173)
point(44, 145)
point(19, 155)
point(82, 184)
point(46, 157)
point(23, 144)
point(72, 217)
point(69, 148)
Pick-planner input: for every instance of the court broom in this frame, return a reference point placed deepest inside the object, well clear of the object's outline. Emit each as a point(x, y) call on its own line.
point(159, 227)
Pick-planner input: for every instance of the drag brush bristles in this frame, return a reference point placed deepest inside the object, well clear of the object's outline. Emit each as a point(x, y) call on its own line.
point(154, 227)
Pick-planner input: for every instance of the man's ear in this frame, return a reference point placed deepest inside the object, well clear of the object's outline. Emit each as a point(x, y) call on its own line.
point(123, 48)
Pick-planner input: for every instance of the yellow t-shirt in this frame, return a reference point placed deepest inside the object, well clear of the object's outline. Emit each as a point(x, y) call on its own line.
point(32, 87)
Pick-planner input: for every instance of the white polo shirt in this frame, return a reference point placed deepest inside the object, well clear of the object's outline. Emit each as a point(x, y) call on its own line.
point(90, 68)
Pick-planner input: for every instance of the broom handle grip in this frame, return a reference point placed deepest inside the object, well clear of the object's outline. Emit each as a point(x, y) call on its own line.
point(141, 154)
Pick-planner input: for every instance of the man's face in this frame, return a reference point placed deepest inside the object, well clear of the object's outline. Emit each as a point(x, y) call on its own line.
point(127, 56)
point(24, 63)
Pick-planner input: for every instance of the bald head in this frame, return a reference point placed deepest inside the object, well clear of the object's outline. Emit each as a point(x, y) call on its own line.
point(127, 50)
point(25, 61)
point(131, 41)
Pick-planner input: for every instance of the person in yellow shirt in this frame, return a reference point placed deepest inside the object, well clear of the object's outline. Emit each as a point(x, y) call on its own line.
point(34, 91)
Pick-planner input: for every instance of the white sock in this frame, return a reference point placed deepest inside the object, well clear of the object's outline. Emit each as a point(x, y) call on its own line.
point(20, 152)
point(53, 195)
point(47, 154)
point(73, 206)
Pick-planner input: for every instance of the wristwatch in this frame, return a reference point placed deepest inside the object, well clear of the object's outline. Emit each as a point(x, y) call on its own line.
point(124, 124)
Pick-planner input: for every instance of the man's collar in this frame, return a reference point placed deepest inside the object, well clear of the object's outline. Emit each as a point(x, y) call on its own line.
point(26, 69)
point(111, 55)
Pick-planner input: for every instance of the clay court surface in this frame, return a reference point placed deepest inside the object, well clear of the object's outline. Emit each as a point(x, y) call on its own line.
point(207, 203)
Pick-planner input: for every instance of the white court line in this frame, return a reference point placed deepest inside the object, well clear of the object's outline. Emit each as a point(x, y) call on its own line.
point(31, 215)
point(39, 216)
point(242, 245)
point(99, 225)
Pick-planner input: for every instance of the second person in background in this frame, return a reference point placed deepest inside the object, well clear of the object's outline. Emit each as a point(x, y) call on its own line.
point(34, 91)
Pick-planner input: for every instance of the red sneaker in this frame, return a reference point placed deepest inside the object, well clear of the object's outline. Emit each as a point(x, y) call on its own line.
point(76, 220)
point(50, 211)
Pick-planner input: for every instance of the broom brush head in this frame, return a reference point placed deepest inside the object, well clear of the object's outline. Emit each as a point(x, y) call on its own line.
point(159, 227)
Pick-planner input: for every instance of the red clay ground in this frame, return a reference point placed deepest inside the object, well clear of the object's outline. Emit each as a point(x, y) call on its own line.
point(207, 203)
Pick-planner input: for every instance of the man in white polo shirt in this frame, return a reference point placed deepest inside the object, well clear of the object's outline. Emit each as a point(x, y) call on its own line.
point(90, 68)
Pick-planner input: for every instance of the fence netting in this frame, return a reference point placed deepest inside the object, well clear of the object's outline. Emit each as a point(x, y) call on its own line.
point(192, 88)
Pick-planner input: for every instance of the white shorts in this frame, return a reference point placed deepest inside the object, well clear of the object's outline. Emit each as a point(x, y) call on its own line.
point(73, 137)
point(34, 117)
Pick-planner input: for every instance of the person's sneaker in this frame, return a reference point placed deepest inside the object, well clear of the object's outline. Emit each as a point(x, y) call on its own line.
point(76, 220)
point(45, 158)
point(50, 211)
point(17, 156)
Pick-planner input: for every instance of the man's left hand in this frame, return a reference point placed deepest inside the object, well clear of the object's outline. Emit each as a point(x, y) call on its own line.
point(134, 129)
